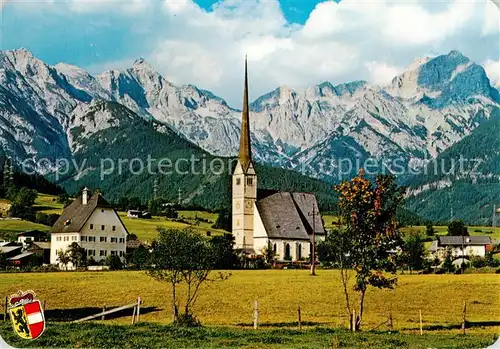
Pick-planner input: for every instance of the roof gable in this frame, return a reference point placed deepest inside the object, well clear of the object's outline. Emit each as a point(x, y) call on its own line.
point(305, 203)
point(76, 214)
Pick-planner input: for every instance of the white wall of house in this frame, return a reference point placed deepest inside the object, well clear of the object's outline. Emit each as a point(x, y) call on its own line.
point(102, 235)
point(456, 251)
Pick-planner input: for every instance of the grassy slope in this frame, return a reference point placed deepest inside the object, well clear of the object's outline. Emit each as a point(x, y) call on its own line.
point(145, 335)
point(279, 292)
point(145, 229)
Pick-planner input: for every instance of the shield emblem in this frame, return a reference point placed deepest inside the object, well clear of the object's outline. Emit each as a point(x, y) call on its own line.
point(26, 315)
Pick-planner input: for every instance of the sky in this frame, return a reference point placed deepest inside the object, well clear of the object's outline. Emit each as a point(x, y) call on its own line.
point(294, 43)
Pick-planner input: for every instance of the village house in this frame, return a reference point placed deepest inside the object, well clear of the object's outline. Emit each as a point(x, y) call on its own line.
point(92, 223)
point(472, 246)
point(263, 219)
point(27, 237)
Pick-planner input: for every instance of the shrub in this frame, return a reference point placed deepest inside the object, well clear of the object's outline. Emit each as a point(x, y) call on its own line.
point(497, 271)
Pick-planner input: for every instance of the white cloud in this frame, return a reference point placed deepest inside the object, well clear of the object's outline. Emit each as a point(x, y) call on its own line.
point(492, 69)
point(491, 23)
point(381, 73)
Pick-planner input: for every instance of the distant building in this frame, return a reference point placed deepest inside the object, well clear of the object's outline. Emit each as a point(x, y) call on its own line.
point(265, 219)
point(41, 249)
point(134, 214)
point(94, 224)
point(472, 246)
point(29, 236)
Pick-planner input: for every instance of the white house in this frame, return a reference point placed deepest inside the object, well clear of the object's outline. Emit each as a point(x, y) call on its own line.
point(93, 224)
point(472, 246)
point(280, 220)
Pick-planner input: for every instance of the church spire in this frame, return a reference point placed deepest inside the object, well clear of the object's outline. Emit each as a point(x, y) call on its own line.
point(245, 155)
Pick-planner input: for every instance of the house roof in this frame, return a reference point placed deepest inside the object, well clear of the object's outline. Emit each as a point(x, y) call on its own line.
point(32, 233)
point(434, 246)
point(8, 249)
point(20, 256)
point(305, 203)
point(76, 214)
point(42, 245)
point(285, 218)
point(134, 243)
point(467, 240)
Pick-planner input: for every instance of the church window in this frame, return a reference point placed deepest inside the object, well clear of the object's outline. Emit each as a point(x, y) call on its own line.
point(274, 248)
point(250, 181)
point(237, 205)
point(288, 256)
point(299, 251)
point(238, 181)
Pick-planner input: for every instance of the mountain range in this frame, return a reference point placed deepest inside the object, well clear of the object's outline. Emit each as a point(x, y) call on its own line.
point(62, 111)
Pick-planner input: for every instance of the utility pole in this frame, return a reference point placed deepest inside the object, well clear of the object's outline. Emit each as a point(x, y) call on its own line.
point(179, 196)
point(451, 206)
point(155, 189)
point(313, 254)
point(493, 222)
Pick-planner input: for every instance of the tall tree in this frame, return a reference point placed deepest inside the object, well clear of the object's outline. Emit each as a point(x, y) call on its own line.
point(457, 228)
point(183, 257)
point(371, 234)
point(413, 250)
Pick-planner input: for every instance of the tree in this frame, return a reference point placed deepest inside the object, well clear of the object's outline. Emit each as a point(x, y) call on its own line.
point(371, 234)
point(63, 258)
point(413, 251)
point(183, 257)
point(77, 255)
point(269, 254)
point(429, 230)
point(448, 261)
point(64, 199)
point(25, 197)
point(224, 221)
point(223, 247)
point(457, 228)
point(138, 258)
point(113, 262)
point(3, 260)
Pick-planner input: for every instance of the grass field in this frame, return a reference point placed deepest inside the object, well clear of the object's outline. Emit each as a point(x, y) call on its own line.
point(147, 335)
point(279, 293)
point(145, 229)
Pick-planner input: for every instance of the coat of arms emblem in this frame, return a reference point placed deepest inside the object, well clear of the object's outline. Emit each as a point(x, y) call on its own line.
point(26, 314)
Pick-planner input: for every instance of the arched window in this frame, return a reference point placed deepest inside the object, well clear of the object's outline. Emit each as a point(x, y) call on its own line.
point(288, 256)
point(299, 250)
point(275, 248)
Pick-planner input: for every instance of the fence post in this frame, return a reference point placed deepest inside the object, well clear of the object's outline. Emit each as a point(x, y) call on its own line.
point(463, 317)
point(255, 314)
point(300, 318)
point(138, 308)
point(44, 305)
point(5, 310)
point(103, 309)
point(133, 316)
point(390, 322)
point(421, 330)
point(353, 321)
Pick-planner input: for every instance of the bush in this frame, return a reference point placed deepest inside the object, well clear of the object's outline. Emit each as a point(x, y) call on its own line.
point(497, 271)
point(113, 262)
point(187, 320)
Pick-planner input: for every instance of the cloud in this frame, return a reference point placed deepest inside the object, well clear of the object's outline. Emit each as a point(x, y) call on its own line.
point(492, 69)
point(339, 42)
point(381, 73)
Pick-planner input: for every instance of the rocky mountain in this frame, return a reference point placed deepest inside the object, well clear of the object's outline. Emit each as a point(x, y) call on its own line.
point(463, 181)
point(325, 131)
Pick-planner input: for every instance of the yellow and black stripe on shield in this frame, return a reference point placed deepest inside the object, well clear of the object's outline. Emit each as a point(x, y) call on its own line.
point(20, 321)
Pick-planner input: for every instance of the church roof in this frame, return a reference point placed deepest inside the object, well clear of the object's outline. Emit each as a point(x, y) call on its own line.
point(306, 202)
point(245, 155)
point(284, 215)
point(76, 214)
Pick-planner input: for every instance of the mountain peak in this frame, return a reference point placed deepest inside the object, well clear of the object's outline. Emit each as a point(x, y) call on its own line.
point(141, 63)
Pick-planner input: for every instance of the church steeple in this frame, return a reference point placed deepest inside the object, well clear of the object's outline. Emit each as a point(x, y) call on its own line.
point(245, 155)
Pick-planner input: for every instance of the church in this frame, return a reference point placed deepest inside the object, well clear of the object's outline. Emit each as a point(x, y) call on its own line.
point(263, 219)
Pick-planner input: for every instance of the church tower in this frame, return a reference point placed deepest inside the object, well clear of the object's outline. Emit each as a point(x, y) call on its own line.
point(244, 183)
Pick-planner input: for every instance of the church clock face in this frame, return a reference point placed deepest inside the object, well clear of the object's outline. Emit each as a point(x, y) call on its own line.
point(238, 205)
point(248, 204)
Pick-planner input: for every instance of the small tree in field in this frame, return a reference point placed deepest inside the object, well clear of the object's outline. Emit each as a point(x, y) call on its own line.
point(64, 258)
point(371, 235)
point(183, 257)
point(77, 255)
